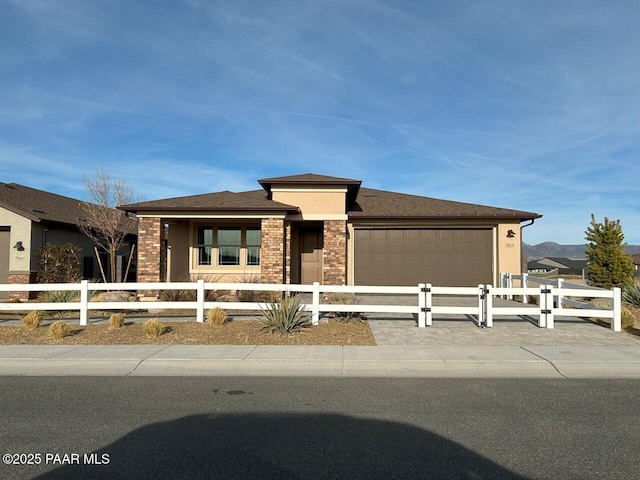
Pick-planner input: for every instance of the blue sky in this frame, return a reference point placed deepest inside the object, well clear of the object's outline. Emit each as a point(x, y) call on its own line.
point(531, 105)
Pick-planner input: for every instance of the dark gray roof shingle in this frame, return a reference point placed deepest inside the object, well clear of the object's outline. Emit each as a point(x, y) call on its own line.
point(372, 203)
point(219, 201)
point(38, 205)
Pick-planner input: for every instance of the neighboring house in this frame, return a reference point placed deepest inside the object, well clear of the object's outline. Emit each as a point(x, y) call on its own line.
point(565, 266)
point(636, 263)
point(307, 228)
point(29, 218)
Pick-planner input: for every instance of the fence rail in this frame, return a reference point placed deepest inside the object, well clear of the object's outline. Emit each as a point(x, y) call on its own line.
point(552, 298)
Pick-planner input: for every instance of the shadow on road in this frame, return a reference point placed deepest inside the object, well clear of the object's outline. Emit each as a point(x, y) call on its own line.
point(284, 446)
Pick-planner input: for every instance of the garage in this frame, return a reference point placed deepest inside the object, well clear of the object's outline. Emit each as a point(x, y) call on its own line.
point(408, 256)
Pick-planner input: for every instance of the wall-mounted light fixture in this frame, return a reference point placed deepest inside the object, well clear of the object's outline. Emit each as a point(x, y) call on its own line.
point(18, 246)
point(511, 234)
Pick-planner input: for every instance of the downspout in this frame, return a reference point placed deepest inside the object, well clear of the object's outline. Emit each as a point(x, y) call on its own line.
point(522, 227)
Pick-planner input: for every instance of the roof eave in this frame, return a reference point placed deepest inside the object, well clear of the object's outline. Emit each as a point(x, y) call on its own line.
point(521, 218)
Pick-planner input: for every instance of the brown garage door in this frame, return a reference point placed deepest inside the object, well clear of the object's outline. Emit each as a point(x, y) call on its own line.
point(442, 257)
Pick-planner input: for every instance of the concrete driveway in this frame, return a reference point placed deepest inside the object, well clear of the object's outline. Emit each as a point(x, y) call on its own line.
point(460, 330)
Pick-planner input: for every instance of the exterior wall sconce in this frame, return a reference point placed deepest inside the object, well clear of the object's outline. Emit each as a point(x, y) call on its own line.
point(511, 234)
point(18, 246)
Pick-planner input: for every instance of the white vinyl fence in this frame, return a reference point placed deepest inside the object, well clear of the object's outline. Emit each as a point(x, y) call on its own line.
point(478, 301)
point(556, 294)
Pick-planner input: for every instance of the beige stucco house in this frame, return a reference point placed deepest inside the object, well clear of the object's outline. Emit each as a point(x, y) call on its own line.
point(30, 218)
point(307, 228)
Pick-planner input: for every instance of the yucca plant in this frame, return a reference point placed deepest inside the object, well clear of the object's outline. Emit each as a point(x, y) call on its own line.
point(153, 328)
point(285, 316)
point(31, 320)
point(116, 320)
point(59, 330)
point(216, 316)
point(58, 296)
point(628, 319)
point(631, 294)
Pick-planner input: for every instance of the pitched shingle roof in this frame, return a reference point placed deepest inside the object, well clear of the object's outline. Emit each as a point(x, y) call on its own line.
point(38, 205)
point(372, 203)
point(255, 200)
point(363, 202)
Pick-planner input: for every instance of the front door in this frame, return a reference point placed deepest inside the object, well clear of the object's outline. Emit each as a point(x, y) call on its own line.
point(310, 255)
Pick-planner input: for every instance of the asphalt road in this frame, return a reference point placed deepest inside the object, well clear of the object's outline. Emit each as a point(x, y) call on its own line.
point(173, 428)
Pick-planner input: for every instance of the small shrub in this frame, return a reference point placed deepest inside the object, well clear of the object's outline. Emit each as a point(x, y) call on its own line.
point(116, 320)
point(285, 316)
point(631, 294)
point(249, 295)
point(216, 316)
point(209, 295)
point(345, 299)
point(153, 328)
point(31, 320)
point(177, 295)
point(59, 330)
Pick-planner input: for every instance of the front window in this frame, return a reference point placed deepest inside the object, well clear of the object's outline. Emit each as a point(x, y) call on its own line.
point(205, 245)
point(229, 244)
point(254, 238)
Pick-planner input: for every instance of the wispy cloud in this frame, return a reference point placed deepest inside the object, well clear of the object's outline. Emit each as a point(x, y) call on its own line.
point(532, 106)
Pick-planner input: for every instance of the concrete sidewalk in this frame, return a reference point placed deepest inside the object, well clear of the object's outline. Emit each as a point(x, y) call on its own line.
point(349, 361)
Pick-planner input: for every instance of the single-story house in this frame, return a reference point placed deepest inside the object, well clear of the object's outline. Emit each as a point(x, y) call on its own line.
point(307, 228)
point(30, 218)
point(566, 266)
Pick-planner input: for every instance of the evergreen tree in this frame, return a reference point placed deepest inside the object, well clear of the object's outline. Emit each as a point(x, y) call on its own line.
point(608, 265)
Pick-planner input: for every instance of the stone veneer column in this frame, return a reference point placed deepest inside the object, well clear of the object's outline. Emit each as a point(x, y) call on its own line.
point(335, 252)
point(150, 252)
point(272, 250)
point(287, 254)
point(16, 278)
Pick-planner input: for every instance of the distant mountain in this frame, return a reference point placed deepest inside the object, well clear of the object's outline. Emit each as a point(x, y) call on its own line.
point(552, 249)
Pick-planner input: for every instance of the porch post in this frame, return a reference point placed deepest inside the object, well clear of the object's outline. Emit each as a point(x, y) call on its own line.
point(334, 268)
point(151, 266)
point(272, 250)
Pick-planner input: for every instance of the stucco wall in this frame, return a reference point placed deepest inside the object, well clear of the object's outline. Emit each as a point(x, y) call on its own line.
point(315, 204)
point(509, 258)
point(20, 231)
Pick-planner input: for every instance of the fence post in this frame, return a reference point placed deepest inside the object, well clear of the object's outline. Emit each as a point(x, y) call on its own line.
point(315, 304)
point(200, 301)
point(488, 306)
point(428, 304)
point(524, 284)
point(481, 296)
point(559, 297)
point(542, 306)
point(84, 302)
point(502, 283)
point(422, 294)
point(616, 302)
point(549, 306)
point(510, 282)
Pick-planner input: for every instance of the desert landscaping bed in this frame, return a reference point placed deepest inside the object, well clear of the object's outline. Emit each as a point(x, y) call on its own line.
point(245, 332)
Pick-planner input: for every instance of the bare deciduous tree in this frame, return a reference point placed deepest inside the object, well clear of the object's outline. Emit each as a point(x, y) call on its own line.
point(106, 226)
